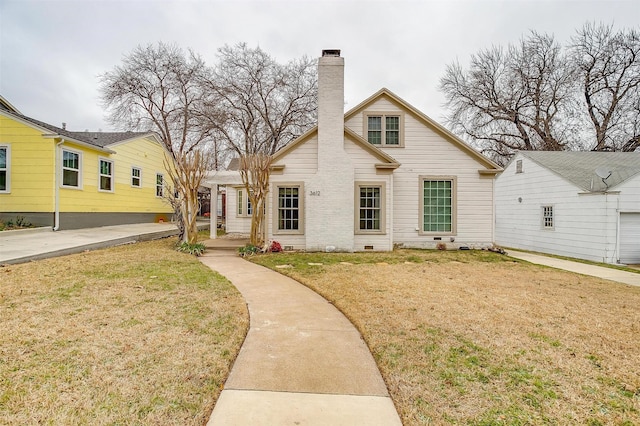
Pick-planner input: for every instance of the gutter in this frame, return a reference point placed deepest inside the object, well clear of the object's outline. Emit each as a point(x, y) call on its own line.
point(56, 190)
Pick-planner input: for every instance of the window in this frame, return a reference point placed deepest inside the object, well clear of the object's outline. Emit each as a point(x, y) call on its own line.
point(244, 203)
point(136, 177)
point(70, 169)
point(159, 184)
point(384, 129)
point(438, 205)
point(370, 208)
point(547, 217)
point(518, 166)
point(5, 170)
point(106, 175)
point(289, 209)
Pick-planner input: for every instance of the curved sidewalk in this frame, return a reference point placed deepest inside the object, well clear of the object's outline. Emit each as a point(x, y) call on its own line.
point(302, 361)
point(611, 274)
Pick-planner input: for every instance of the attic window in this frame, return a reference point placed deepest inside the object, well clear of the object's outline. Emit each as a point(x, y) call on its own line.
point(519, 166)
point(384, 129)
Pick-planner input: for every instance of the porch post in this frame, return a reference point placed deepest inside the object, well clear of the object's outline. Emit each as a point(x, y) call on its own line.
point(213, 212)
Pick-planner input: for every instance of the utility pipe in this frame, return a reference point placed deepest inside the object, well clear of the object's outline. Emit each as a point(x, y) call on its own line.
point(57, 173)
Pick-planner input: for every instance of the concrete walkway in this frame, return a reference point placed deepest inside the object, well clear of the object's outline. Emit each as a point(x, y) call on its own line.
point(302, 363)
point(578, 267)
point(40, 243)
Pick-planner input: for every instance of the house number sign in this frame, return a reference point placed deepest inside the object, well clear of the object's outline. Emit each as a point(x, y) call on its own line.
point(314, 193)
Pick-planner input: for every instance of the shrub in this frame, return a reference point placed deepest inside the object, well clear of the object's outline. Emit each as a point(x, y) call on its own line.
point(248, 250)
point(196, 249)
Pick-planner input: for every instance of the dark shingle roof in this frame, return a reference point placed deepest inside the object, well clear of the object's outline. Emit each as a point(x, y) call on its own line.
point(580, 168)
point(99, 139)
point(234, 164)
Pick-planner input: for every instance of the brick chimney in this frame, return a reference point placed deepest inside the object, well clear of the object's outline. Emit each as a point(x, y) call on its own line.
point(330, 214)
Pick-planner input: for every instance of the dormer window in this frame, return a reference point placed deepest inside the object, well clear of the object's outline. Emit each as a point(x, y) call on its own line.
point(384, 129)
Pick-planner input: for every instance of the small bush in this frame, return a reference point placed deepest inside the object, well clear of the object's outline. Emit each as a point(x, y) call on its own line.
point(441, 246)
point(248, 250)
point(196, 249)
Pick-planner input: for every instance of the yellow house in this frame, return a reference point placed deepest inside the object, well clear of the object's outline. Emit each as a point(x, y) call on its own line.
point(69, 180)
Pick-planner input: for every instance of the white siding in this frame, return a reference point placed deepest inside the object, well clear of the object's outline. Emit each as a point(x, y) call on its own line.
point(426, 152)
point(585, 225)
point(235, 223)
point(365, 171)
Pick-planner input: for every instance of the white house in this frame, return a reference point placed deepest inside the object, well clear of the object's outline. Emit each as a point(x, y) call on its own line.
point(381, 175)
point(578, 204)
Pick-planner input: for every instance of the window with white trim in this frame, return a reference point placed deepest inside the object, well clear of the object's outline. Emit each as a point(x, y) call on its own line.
point(105, 175)
point(289, 209)
point(384, 129)
point(437, 204)
point(136, 177)
point(71, 167)
point(244, 208)
point(159, 184)
point(518, 166)
point(547, 217)
point(370, 214)
point(5, 168)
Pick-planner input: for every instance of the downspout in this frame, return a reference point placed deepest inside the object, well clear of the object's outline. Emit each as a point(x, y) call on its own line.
point(56, 180)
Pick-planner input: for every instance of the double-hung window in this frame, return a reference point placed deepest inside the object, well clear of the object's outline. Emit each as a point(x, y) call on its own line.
point(71, 164)
point(159, 184)
point(5, 169)
point(370, 211)
point(547, 217)
point(289, 209)
point(244, 208)
point(437, 205)
point(384, 129)
point(136, 177)
point(105, 175)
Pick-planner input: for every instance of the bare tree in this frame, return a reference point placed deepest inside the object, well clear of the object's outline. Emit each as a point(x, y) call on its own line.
point(159, 88)
point(513, 99)
point(609, 64)
point(259, 106)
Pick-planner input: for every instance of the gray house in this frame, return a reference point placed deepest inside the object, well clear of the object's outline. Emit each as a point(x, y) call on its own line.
point(578, 204)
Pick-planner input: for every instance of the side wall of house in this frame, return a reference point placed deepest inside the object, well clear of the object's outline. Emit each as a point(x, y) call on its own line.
point(234, 222)
point(31, 172)
point(428, 153)
point(584, 225)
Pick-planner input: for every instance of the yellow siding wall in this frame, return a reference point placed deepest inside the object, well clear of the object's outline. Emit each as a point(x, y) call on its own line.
point(32, 174)
point(32, 168)
point(145, 154)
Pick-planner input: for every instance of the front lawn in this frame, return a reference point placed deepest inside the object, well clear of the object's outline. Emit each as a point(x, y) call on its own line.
point(137, 334)
point(478, 338)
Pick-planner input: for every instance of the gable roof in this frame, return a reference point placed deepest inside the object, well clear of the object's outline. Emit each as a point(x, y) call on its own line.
point(5, 105)
point(579, 168)
point(386, 159)
point(100, 140)
point(492, 167)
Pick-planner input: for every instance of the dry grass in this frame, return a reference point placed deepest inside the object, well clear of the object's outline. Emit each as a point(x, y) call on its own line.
point(137, 334)
point(475, 338)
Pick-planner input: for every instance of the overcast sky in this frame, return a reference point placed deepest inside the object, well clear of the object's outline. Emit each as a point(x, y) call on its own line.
point(52, 51)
